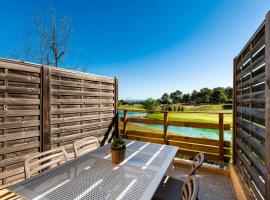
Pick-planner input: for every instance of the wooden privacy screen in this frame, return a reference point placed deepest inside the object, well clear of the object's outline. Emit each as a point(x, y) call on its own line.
point(44, 107)
point(251, 112)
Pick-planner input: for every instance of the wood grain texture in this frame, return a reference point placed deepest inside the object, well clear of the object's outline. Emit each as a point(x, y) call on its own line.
point(251, 118)
point(42, 108)
point(267, 103)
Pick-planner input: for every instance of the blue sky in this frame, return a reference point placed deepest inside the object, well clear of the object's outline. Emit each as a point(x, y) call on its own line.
point(151, 46)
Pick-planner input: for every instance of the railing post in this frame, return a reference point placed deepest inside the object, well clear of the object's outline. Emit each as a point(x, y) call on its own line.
point(234, 110)
point(45, 109)
point(165, 127)
point(116, 125)
point(125, 117)
point(221, 135)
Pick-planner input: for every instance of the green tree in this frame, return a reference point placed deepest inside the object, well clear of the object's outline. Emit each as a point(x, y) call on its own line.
point(194, 96)
point(218, 95)
point(204, 95)
point(176, 96)
point(150, 104)
point(228, 92)
point(165, 99)
point(186, 98)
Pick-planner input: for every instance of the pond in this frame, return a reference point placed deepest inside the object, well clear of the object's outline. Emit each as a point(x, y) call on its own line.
point(184, 131)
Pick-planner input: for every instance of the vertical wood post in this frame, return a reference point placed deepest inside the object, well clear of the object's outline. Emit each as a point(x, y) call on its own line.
point(116, 125)
point(221, 135)
point(234, 111)
point(45, 100)
point(125, 117)
point(267, 105)
point(165, 127)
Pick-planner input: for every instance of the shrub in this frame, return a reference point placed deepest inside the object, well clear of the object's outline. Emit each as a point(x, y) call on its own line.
point(150, 104)
point(227, 106)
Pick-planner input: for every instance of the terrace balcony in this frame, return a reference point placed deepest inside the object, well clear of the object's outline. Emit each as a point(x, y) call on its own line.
point(44, 108)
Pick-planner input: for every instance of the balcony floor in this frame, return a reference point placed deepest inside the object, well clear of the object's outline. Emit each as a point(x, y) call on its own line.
point(211, 186)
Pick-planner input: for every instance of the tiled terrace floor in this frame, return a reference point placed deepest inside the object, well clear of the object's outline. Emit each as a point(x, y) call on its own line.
point(211, 186)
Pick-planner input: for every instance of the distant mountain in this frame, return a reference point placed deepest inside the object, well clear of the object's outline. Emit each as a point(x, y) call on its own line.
point(133, 100)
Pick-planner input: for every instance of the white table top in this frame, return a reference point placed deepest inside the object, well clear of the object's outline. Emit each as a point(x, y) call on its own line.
point(94, 176)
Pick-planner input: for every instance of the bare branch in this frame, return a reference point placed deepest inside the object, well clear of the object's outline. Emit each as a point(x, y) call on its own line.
point(50, 43)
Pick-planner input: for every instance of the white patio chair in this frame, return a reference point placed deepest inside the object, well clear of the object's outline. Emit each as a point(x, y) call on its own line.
point(85, 145)
point(44, 160)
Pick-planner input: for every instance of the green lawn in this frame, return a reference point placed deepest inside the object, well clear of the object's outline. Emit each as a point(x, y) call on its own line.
point(190, 117)
point(131, 107)
point(206, 108)
point(193, 117)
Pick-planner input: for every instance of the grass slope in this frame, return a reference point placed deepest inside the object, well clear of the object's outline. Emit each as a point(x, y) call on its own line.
point(190, 117)
point(193, 117)
point(206, 108)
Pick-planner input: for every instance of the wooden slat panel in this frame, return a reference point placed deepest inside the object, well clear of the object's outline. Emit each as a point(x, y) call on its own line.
point(80, 110)
point(252, 172)
point(84, 93)
point(79, 84)
point(21, 102)
point(257, 129)
point(19, 90)
point(250, 116)
point(255, 112)
point(20, 135)
point(256, 145)
point(19, 66)
point(19, 118)
point(47, 107)
point(267, 103)
point(20, 78)
point(252, 81)
point(258, 164)
point(82, 105)
point(197, 140)
point(72, 75)
point(80, 101)
point(259, 94)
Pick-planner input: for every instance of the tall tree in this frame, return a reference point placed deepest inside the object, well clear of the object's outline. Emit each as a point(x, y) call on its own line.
point(204, 95)
point(165, 99)
point(194, 96)
point(228, 92)
point(51, 38)
point(176, 96)
point(218, 95)
point(186, 98)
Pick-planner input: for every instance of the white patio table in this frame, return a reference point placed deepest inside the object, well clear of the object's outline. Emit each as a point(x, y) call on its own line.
point(94, 176)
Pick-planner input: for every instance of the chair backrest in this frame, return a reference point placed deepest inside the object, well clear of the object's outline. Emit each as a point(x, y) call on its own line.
point(190, 188)
point(44, 160)
point(197, 163)
point(85, 145)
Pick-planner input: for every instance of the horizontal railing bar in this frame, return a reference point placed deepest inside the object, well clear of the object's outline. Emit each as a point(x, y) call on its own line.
point(162, 111)
point(177, 123)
